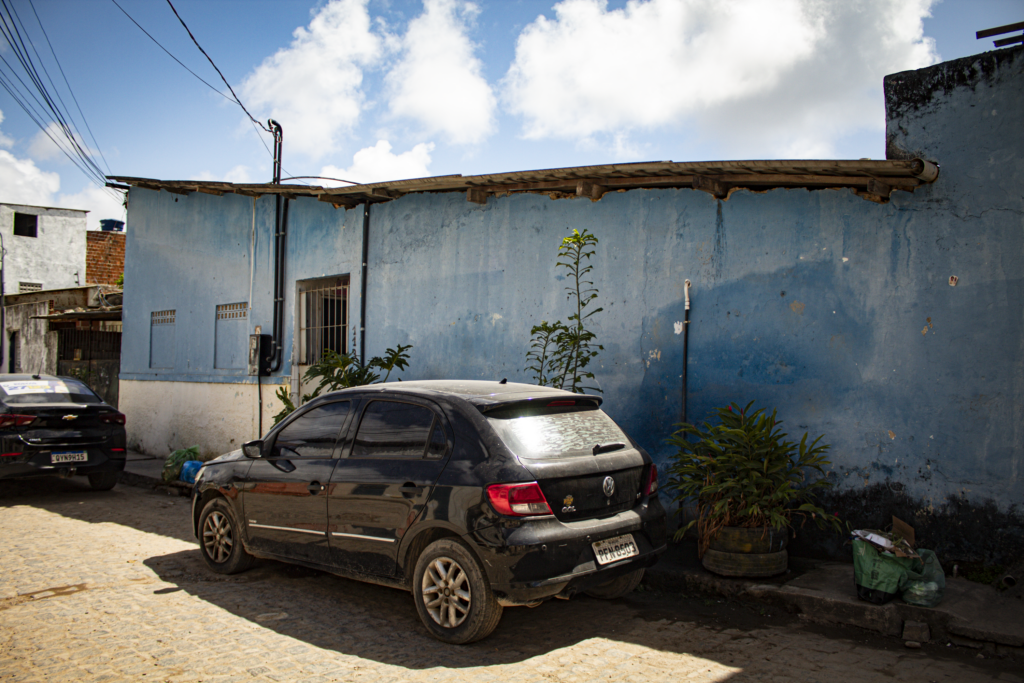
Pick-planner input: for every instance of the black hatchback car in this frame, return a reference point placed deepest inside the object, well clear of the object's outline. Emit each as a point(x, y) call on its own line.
point(58, 426)
point(472, 495)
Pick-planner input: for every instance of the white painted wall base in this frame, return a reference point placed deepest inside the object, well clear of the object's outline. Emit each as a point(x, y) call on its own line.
point(165, 416)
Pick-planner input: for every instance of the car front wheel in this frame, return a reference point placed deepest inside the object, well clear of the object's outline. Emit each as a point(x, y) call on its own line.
point(452, 595)
point(220, 540)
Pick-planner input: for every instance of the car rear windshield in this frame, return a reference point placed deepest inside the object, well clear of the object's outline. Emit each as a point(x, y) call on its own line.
point(558, 433)
point(34, 391)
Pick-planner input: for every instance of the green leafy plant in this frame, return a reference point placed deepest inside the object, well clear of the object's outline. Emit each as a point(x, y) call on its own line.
point(120, 281)
point(561, 352)
point(743, 472)
point(343, 370)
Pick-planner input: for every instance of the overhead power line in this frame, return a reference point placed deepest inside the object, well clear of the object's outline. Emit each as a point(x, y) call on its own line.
point(28, 81)
point(251, 117)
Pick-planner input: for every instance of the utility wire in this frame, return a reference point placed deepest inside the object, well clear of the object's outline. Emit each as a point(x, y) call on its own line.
point(23, 48)
point(77, 105)
point(70, 129)
point(215, 68)
point(169, 52)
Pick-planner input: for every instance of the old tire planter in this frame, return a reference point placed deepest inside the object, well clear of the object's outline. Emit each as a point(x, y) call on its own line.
point(738, 551)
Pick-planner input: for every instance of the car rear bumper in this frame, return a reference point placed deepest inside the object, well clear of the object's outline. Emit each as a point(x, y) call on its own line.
point(542, 558)
point(39, 463)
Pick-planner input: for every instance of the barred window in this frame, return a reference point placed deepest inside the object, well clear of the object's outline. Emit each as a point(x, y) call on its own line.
point(162, 317)
point(29, 287)
point(232, 311)
point(322, 317)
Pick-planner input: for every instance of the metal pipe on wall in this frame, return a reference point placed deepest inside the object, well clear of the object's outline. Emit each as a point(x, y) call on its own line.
point(686, 343)
point(362, 289)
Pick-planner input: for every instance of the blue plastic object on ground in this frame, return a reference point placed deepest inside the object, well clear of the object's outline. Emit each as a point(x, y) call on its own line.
point(188, 471)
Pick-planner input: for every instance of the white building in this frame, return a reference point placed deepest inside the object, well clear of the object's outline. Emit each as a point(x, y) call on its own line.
point(42, 249)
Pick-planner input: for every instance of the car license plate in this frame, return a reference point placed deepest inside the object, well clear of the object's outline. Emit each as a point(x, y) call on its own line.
point(69, 456)
point(614, 549)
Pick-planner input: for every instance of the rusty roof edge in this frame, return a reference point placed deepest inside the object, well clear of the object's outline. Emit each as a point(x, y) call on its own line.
point(868, 168)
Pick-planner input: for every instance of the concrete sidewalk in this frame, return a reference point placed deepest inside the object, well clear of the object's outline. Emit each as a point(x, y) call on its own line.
point(970, 615)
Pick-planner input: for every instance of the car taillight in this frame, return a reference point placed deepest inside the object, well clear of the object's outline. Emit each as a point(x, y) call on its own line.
point(12, 420)
point(113, 418)
point(518, 500)
point(652, 480)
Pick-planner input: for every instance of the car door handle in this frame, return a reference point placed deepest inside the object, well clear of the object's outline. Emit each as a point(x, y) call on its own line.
point(410, 489)
point(315, 487)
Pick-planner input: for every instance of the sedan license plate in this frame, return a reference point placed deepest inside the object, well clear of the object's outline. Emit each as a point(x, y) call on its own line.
point(615, 549)
point(69, 456)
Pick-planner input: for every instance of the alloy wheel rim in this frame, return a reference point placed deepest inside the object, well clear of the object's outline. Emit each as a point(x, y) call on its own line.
point(217, 538)
point(446, 592)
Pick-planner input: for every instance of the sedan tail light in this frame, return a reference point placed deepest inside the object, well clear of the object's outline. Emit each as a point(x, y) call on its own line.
point(652, 480)
point(518, 500)
point(113, 418)
point(12, 420)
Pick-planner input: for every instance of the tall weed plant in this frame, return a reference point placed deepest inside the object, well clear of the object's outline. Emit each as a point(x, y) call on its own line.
point(561, 352)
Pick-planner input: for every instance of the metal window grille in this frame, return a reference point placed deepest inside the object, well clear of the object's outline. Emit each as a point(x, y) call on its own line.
point(232, 311)
point(29, 287)
point(162, 317)
point(323, 317)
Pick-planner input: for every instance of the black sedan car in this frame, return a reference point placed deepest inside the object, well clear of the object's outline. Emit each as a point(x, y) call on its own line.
point(472, 495)
point(58, 426)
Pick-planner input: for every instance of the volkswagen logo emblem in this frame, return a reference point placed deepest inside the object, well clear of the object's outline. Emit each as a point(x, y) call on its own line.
point(608, 487)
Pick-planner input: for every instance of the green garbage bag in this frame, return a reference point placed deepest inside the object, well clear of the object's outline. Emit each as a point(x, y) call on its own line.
point(172, 466)
point(879, 576)
point(927, 583)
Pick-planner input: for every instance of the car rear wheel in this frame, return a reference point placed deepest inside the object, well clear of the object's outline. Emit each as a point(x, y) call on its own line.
point(616, 588)
point(102, 481)
point(220, 540)
point(452, 595)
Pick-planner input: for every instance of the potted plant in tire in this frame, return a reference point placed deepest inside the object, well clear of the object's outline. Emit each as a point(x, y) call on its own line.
point(749, 484)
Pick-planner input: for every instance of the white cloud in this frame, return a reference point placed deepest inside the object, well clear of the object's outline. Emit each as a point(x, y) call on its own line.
point(378, 164)
point(4, 140)
point(22, 182)
point(438, 80)
point(238, 174)
point(786, 78)
point(99, 202)
point(43, 148)
point(314, 86)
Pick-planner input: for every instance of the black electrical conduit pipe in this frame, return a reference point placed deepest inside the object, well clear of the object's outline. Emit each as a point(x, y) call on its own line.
point(362, 286)
point(280, 238)
point(686, 343)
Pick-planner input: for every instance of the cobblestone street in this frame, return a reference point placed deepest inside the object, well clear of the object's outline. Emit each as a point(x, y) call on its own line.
point(111, 586)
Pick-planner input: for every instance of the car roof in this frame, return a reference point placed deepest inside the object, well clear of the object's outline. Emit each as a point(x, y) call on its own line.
point(475, 391)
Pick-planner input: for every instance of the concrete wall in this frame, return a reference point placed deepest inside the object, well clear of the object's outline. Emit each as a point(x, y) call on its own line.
point(55, 258)
point(836, 310)
point(36, 345)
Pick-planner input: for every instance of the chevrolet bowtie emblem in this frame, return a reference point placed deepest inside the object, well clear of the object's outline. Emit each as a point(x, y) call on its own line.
point(567, 504)
point(70, 417)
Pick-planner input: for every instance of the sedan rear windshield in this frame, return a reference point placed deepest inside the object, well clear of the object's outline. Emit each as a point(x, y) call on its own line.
point(35, 391)
point(558, 434)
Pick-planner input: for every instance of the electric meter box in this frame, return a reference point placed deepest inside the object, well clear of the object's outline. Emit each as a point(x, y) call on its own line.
point(261, 353)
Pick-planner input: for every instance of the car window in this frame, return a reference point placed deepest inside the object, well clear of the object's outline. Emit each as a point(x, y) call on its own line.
point(557, 435)
point(24, 391)
point(314, 433)
point(390, 429)
point(438, 442)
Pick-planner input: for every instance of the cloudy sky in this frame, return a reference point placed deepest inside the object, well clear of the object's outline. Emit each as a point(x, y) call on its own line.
point(370, 90)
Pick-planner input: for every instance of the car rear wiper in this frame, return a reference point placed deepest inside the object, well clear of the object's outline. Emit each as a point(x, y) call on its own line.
point(608, 447)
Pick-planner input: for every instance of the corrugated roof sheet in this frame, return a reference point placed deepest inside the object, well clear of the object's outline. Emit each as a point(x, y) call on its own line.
point(873, 180)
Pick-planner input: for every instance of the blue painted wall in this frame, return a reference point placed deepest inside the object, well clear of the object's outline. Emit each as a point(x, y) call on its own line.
point(833, 309)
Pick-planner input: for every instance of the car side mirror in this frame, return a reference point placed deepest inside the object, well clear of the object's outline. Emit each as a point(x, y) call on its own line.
point(253, 449)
